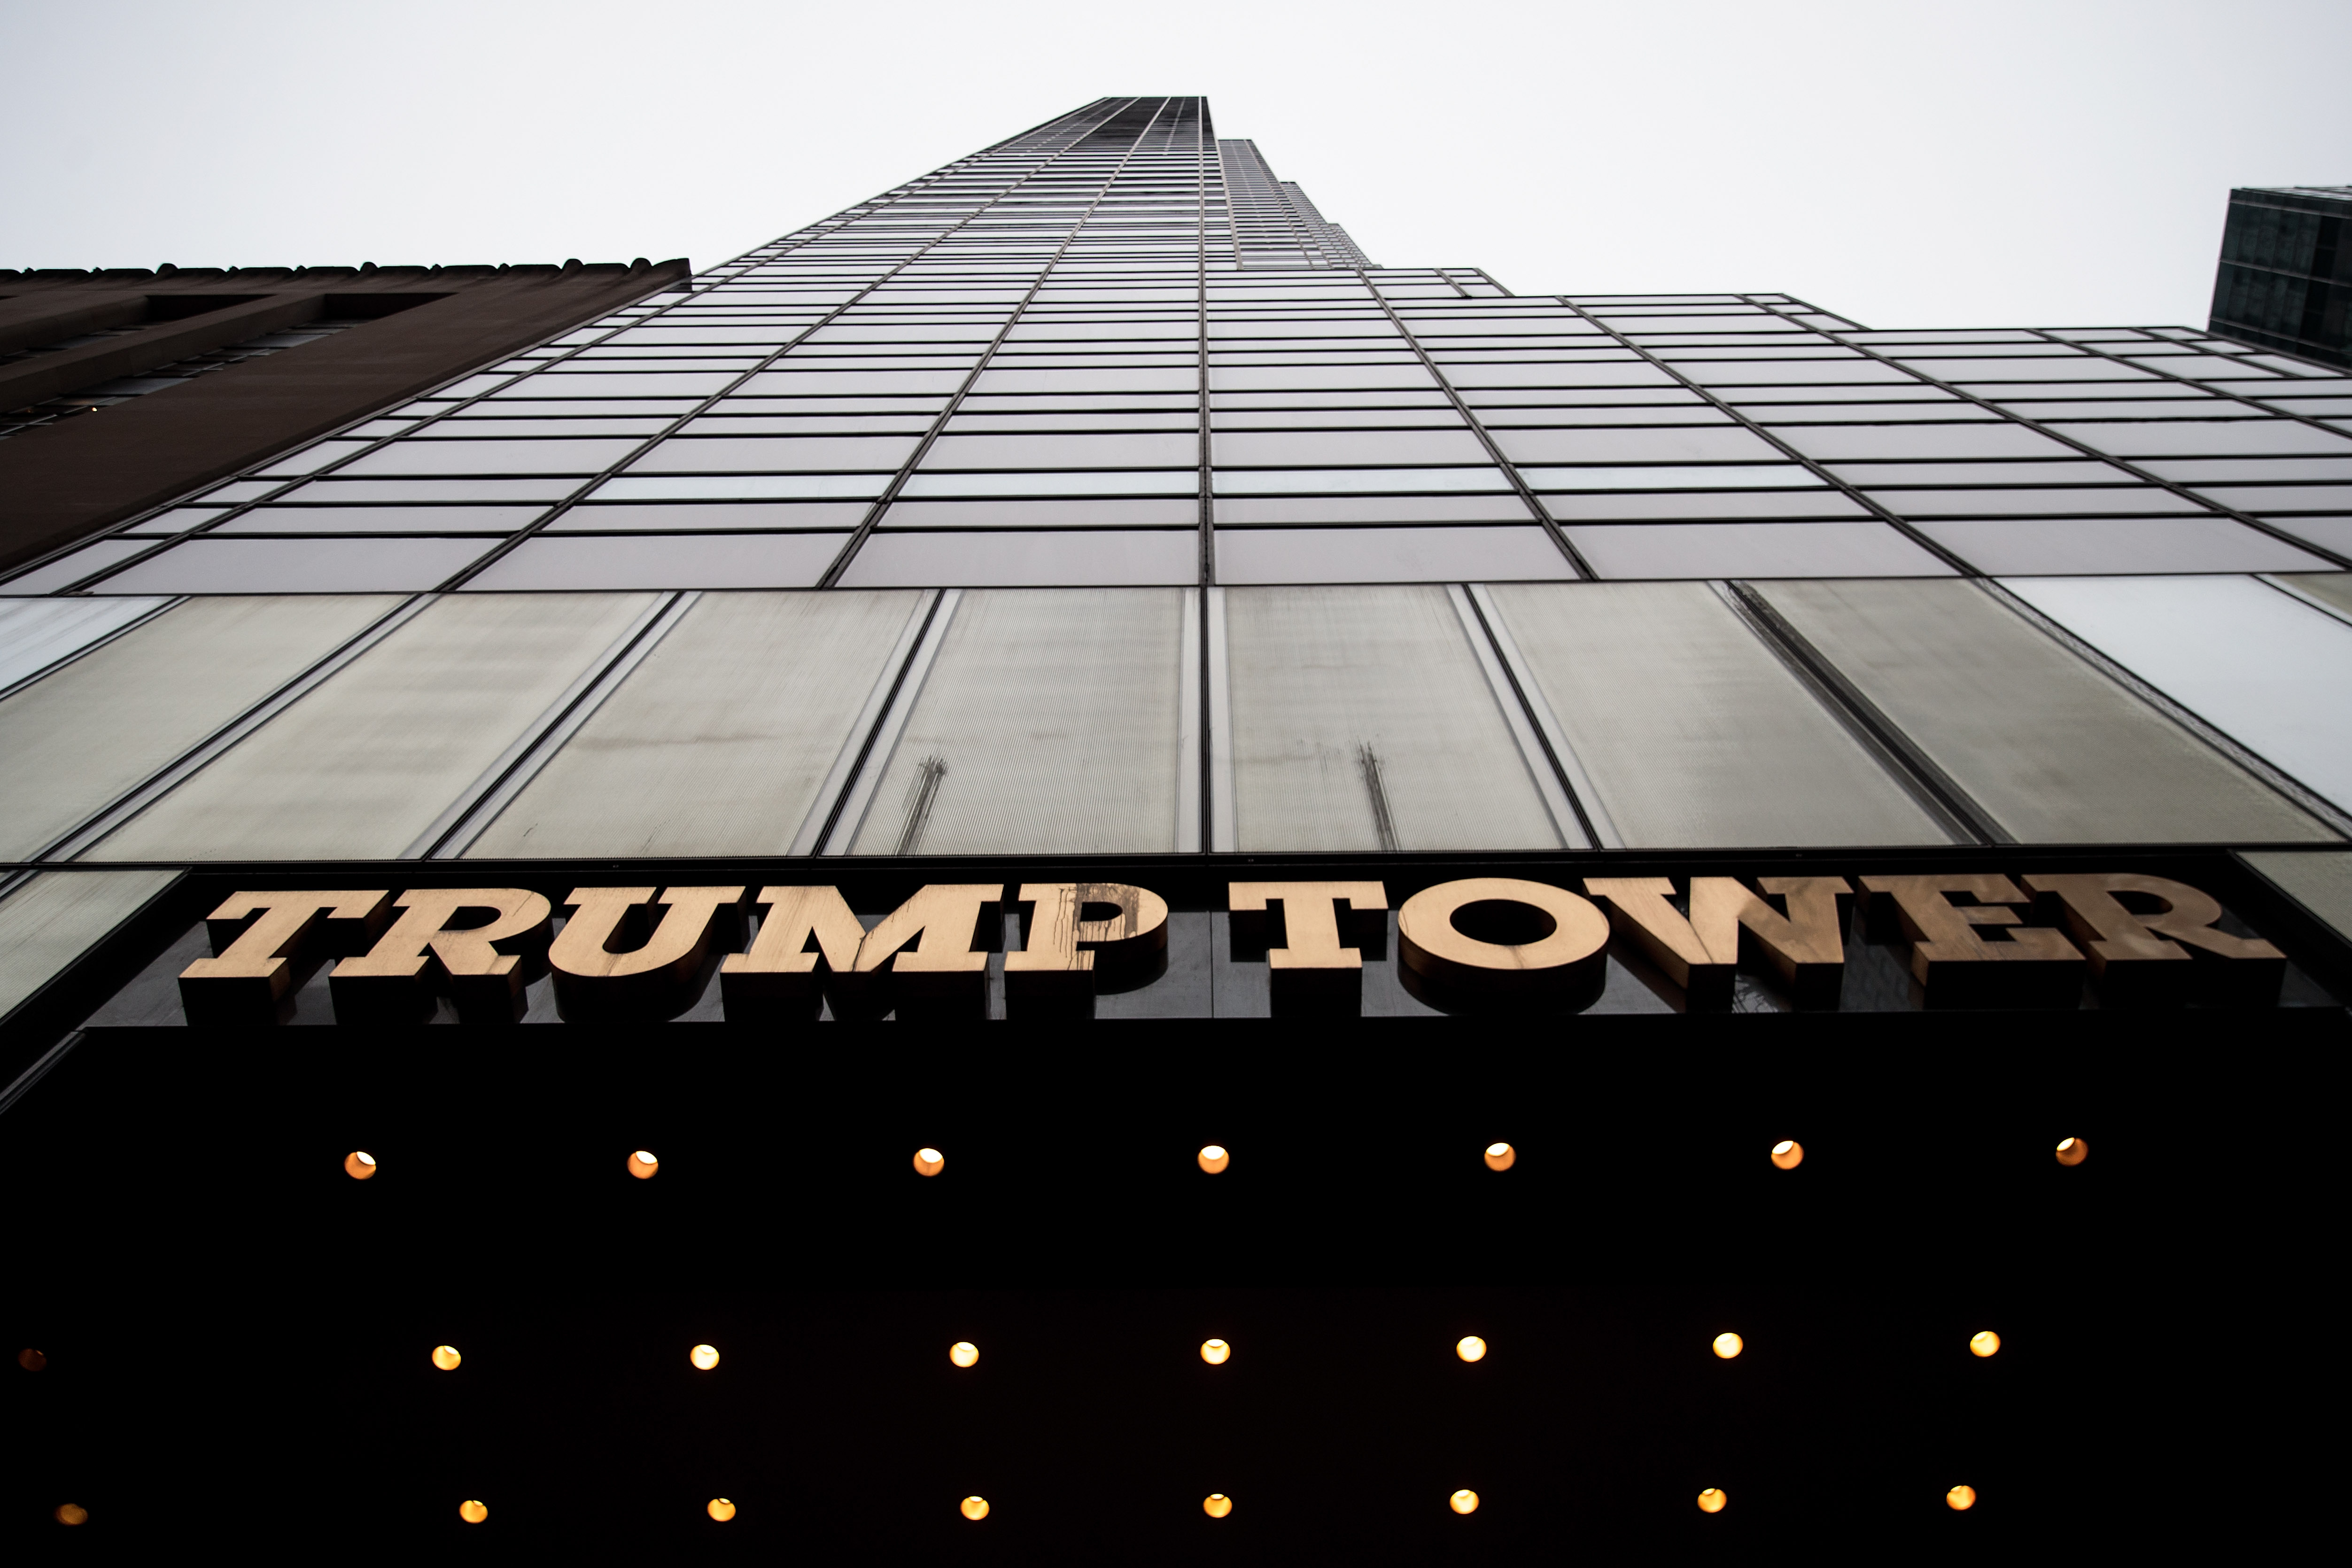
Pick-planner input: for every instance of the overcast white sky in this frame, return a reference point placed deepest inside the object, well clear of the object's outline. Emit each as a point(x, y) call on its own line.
point(2052, 162)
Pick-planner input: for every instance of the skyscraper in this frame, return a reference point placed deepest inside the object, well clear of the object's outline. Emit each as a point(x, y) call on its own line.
point(2285, 277)
point(1078, 588)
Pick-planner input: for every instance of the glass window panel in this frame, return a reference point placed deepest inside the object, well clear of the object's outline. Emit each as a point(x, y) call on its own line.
point(787, 424)
point(366, 761)
point(1120, 512)
point(1752, 549)
point(1141, 450)
point(73, 568)
point(847, 382)
point(1984, 440)
point(2082, 471)
point(740, 486)
point(382, 520)
point(1352, 705)
point(2217, 437)
point(2266, 498)
point(367, 492)
point(105, 724)
point(2025, 503)
point(2023, 369)
point(213, 565)
point(1089, 482)
point(1339, 419)
point(1041, 558)
point(37, 632)
point(1064, 402)
point(1720, 444)
point(1048, 423)
point(2331, 534)
point(570, 412)
point(51, 921)
point(776, 454)
point(1049, 722)
point(1807, 373)
point(2271, 470)
point(718, 741)
point(2053, 749)
point(1289, 449)
point(1557, 374)
point(1661, 477)
point(1284, 481)
point(1526, 416)
point(1694, 733)
point(614, 384)
point(1089, 381)
point(310, 459)
point(2106, 546)
point(1450, 555)
point(663, 560)
point(1774, 413)
point(1242, 378)
point(2258, 664)
point(1370, 508)
point(1633, 508)
point(696, 517)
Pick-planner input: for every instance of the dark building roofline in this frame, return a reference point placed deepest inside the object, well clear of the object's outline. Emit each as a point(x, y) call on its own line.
point(418, 328)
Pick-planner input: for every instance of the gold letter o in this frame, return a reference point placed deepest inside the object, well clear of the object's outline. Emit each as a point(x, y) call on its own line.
point(1565, 960)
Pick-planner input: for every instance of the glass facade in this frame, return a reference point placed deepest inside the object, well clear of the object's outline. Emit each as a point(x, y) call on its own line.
point(1096, 494)
point(1010, 798)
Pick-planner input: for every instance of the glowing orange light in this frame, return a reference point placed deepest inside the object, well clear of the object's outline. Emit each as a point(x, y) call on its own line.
point(642, 1163)
point(359, 1164)
point(72, 1513)
point(1471, 1348)
point(1984, 1343)
point(1728, 1345)
point(1216, 1505)
point(1214, 1351)
point(446, 1358)
point(931, 1162)
point(1463, 1501)
point(974, 1508)
point(1215, 1159)
point(963, 1352)
point(473, 1512)
point(1712, 1501)
point(720, 1509)
point(31, 1360)
point(2073, 1151)
point(1501, 1156)
point(704, 1357)
point(1788, 1153)
point(1961, 1499)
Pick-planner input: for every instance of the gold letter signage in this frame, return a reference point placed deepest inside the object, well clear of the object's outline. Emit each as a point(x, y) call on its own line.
point(1967, 938)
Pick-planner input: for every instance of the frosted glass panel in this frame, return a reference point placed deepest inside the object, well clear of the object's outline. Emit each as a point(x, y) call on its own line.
point(2320, 882)
point(1353, 706)
point(1050, 721)
point(73, 742)
point(717, 742)
point(37, 632)
point(2053, 749)
point(364, 763)
point(1694, 733)
point(52, 920)
point(2260, 665)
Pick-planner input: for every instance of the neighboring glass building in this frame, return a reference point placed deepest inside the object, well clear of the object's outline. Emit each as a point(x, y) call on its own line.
point(1091, 515)
point(2285, 280)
